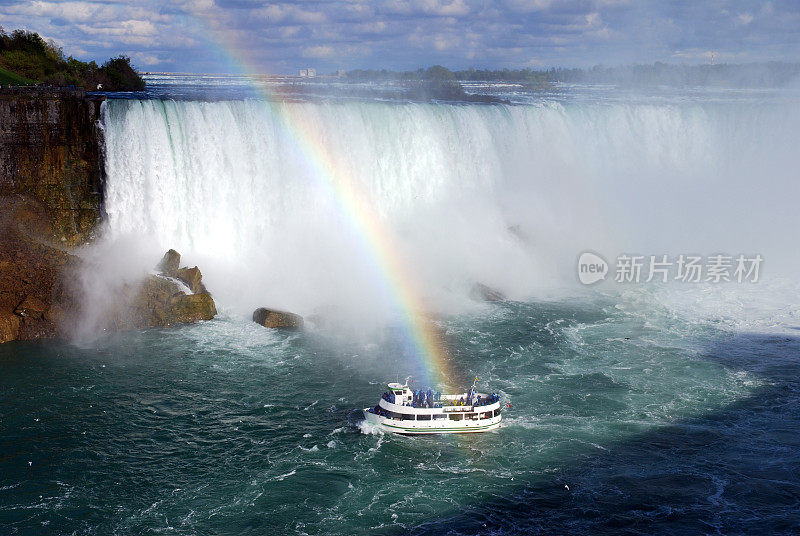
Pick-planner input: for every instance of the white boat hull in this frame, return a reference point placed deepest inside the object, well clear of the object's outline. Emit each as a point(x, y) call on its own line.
point(444, 426)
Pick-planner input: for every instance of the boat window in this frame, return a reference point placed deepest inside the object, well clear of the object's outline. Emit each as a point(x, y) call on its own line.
point(406, 417)
point(391, 415)
point(497, 412)
point(455, 416)
point(439, 417)
point(398, 392)
point(487, 415)
point(423, 417)
point(472, 416)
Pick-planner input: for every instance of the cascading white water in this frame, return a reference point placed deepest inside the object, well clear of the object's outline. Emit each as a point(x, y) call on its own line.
point(505, 195)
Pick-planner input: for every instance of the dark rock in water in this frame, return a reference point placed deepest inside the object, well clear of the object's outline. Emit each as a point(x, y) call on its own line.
point(31, 307)
point(192, 277)
point(170, 262)
point(270, 318)
point(9, 326)
point(481, 292)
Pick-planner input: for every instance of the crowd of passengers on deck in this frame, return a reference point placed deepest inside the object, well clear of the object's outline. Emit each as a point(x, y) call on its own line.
point(474, 399)
point(428, 399)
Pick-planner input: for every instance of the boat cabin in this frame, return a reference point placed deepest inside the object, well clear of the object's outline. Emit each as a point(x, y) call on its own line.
point(401, 394)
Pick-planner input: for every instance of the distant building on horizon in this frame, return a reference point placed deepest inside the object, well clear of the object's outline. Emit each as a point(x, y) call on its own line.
point(307, 73)
point(340, 73)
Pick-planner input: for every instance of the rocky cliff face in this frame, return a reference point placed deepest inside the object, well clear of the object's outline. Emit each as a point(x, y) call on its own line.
point(51, 199)
point(33, 295)
point(50, 153)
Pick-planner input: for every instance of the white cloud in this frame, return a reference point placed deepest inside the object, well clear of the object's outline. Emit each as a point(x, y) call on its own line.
point(445, 42)
point(441, 8)
point(276, 13)
point(527, 6)
point(321, 51)
point(140, 59)
point(374, 27)
point(86, 12)
point(185, 34)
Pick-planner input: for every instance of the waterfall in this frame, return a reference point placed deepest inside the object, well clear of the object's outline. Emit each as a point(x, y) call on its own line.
point(504, 195)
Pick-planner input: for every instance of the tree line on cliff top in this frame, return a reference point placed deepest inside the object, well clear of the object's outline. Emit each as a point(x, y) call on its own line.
point(25, 57)
point(766, 74)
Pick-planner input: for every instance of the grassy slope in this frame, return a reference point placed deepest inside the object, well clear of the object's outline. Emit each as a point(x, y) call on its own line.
point(7, 77)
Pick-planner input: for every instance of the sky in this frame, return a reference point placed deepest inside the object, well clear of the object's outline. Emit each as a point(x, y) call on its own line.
point(258, 36)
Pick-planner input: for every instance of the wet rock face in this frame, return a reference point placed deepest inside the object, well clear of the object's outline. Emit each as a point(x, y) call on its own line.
point(9, 326)
point(31, 307)
point(271, 318)
point(170, 262)
point(50, 153)
point(192, 278)
point(170, 266)
point(32, 286)
point(51, 197)
point(51, 194)
point(159, 301)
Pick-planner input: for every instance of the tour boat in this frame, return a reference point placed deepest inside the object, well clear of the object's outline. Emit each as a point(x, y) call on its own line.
point(402, 410)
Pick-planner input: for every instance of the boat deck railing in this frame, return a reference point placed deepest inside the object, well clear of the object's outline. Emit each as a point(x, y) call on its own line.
point(449, 401)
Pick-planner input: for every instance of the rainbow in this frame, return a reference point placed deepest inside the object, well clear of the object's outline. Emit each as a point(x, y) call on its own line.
point(423, 341)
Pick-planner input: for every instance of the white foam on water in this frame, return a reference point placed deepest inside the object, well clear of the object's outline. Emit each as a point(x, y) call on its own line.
point(369, 428)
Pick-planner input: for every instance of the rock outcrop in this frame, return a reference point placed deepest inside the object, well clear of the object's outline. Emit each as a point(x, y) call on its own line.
point(31, 307)
point(170, 262)
point(271, 318)
point(159, 301)
point(9, 326)
point(192, 278)
point(481, 292)
point(36, 302)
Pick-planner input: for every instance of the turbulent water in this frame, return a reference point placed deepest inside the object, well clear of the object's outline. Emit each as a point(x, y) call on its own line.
point(636, 408)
